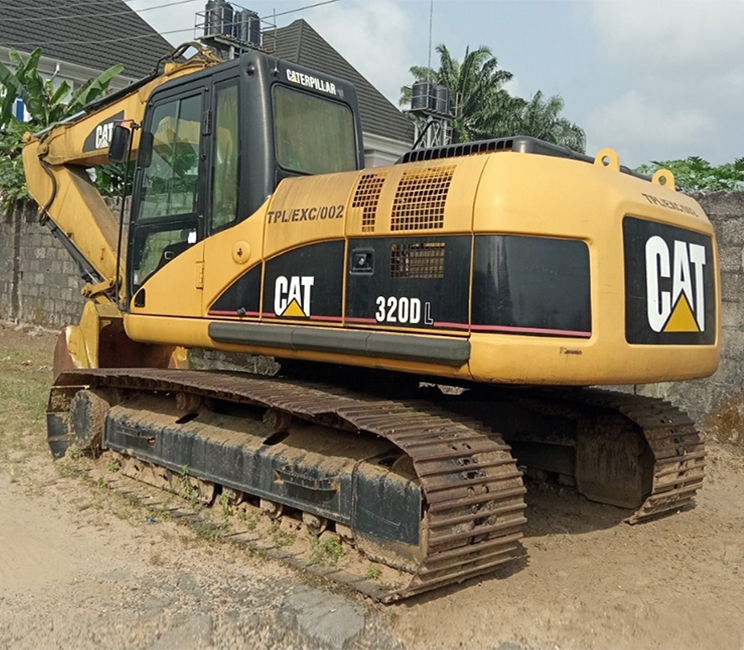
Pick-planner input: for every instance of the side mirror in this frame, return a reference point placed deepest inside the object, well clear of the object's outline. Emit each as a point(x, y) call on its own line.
point(119, 147)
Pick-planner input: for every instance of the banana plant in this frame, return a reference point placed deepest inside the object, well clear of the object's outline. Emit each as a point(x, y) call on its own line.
point(45, 103)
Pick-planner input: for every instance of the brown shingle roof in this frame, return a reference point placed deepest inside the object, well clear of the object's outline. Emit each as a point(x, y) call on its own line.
point(74, 30)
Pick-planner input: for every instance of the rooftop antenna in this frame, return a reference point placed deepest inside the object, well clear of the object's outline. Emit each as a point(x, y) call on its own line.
point(430, 105)
point(274, 21)
point(431, 20)
point(276, 61)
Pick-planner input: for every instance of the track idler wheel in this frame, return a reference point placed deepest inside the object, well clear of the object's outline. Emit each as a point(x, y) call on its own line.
point(88, 410)
point(272, 508)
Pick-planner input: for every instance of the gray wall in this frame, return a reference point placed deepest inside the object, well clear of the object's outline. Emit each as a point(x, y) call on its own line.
point(39, 285)
point(39, 282)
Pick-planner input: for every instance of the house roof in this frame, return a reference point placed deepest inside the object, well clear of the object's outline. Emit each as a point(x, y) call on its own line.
point(74, 31)
point(300, 43)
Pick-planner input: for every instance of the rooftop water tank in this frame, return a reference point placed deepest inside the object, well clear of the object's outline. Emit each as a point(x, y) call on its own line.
point(247, 27)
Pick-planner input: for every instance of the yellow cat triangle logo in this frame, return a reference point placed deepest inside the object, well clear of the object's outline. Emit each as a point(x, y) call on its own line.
point(681, 319)
point(294, 309)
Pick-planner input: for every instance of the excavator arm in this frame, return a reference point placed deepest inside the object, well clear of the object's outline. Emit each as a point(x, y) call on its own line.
point(55, 162)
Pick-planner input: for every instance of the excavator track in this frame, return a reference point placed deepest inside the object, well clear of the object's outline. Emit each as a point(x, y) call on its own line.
point(632, 451)
point(468, 497)
point(676, 446)
point(463, 506)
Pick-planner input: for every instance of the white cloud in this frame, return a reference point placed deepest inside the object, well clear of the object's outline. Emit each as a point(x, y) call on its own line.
point(513, 87)
point(374, 37)
point(679, 36)
point(676, 68)
point(631, 123)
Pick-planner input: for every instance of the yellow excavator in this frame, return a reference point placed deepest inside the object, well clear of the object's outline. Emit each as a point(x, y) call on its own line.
point(439, 321)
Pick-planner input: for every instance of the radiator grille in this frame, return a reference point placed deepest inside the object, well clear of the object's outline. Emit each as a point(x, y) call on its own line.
point(420, 198)
point(366, 196)
point(417, 260)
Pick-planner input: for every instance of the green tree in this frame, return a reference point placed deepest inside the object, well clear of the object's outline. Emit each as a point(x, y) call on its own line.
point(695, 174)
point(45, 104)
point(476, 91)
point(483, 109)
point(541, 118)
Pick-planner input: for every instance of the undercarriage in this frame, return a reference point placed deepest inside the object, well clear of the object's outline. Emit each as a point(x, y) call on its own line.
point(430, 485)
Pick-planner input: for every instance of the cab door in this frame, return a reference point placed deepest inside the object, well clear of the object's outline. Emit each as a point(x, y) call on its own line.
point(169, 200)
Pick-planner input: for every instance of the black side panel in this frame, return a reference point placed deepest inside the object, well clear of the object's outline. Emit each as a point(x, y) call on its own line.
point(241, 298)
point(409, 282)
point(531, 285)
point(385, 506)
point(670, 296)
point(306, 283)
point(352, 489)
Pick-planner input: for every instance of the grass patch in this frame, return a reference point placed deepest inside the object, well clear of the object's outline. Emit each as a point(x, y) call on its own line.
point(70, 469)
point(225, 505)
point(326, 553)
point(25, 378)
point(187, 490)
point(283, 539)
point(249, 521)
point(208, 531)
point(373, 572)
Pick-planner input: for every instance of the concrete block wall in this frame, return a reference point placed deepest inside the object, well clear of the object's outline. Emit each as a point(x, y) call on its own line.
point(7, 263)
point(39, 282)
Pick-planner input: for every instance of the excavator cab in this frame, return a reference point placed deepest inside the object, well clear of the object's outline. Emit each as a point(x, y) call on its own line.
point(214, 145)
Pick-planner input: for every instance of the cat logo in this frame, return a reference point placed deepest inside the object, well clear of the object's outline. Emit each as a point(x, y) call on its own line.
point(292, 296)
point(681, 309)
point(103, 135)
point(100, 136)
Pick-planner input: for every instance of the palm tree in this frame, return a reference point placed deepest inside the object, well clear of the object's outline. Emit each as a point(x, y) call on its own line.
point(475, 87)
point(482, 109)
point(541, 118)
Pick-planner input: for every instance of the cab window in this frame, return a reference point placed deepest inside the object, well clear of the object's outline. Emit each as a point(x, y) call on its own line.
point(167, 222)
point(170, 182)
point(312, 135)
point(226, 160)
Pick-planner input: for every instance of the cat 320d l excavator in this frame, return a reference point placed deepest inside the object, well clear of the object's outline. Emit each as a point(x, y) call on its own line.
point(512, 271)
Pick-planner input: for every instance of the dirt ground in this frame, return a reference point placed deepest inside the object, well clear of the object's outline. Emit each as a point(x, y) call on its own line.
point(82, 567)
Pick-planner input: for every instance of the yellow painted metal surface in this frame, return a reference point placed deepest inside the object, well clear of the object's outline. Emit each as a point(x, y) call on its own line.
point(500, 193)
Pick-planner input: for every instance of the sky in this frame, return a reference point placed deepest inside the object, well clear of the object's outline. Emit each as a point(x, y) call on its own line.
point(654, 79)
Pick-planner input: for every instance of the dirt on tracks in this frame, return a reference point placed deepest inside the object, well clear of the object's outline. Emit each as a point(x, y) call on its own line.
point(82, 567)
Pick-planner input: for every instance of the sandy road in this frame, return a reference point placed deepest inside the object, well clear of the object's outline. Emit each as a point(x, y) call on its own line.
point(88, 571)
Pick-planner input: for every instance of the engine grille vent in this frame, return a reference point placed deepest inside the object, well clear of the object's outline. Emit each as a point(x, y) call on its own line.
point(420, 198)
point(366, 196)
point(455, 150)
point(417, 260)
